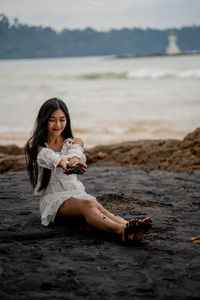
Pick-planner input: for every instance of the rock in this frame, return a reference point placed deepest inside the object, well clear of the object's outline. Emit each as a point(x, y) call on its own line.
point(187, 157)
point(170, 155)
point(102, 154)
point(11, 149)
point(12, 163)
point(144, 154)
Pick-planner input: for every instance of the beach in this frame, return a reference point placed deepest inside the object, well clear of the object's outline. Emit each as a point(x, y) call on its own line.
point(152, 178)
point(139, 119)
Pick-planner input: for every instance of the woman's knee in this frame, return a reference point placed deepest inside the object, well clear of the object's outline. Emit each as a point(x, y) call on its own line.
point(76, 206)
point(89, 203)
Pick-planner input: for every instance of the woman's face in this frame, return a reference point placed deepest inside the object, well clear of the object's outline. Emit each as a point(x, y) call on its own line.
point(56, 123)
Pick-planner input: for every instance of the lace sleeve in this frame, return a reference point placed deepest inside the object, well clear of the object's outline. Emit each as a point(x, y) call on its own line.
point(47, 158)
point(76, 150)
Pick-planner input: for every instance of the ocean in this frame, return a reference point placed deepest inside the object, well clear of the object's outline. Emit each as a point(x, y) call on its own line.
point(110, 99)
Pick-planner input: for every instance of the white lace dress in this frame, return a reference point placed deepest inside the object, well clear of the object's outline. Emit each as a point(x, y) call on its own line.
point(61, 186)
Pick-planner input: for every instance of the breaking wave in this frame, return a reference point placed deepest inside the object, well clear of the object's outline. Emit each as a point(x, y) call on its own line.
point(157, 73)
point(144, 74)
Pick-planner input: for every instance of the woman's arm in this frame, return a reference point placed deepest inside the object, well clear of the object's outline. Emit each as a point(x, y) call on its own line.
point(75, 154)
point(48, 159)
point(76, 159)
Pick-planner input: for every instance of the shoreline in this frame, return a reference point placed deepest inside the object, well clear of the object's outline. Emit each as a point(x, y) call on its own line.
point(169, 155)
point(183, 53)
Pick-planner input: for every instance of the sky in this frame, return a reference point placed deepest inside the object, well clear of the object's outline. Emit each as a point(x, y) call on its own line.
point(103, 15)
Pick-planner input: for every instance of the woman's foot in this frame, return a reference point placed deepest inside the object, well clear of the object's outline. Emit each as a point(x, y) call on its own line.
point(135, 230)
point(144, 226)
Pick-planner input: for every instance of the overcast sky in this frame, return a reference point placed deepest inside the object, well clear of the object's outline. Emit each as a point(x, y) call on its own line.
point(103, 14)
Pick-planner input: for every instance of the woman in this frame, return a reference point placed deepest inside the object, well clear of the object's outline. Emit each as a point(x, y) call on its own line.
point(54, 157)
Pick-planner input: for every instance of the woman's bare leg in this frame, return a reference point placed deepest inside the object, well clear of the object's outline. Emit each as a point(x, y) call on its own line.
point(98, 217)
point(116, 219)
point(75, 207)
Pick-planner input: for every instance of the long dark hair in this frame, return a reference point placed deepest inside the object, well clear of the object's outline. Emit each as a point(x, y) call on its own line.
point(39, 138)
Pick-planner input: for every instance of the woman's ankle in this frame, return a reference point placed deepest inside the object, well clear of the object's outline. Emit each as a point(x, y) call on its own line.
point(120, 230)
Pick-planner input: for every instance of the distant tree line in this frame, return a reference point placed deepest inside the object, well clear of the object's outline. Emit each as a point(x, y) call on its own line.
point(23, 41)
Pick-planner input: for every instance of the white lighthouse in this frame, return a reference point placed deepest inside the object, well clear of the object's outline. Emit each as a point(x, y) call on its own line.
point(172, 48)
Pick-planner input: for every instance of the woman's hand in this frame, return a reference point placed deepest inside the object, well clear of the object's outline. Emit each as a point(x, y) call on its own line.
point(83, 169)
point(79, 168)
point(74, 160)
point(62, 164)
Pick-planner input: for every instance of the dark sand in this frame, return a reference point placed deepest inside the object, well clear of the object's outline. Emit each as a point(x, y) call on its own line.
point(74, 262)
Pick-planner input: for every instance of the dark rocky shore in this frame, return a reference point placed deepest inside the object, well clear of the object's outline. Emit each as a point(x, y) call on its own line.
point(74, 262)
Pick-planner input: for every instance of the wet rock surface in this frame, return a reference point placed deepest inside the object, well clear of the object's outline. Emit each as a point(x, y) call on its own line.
point(71, 261)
